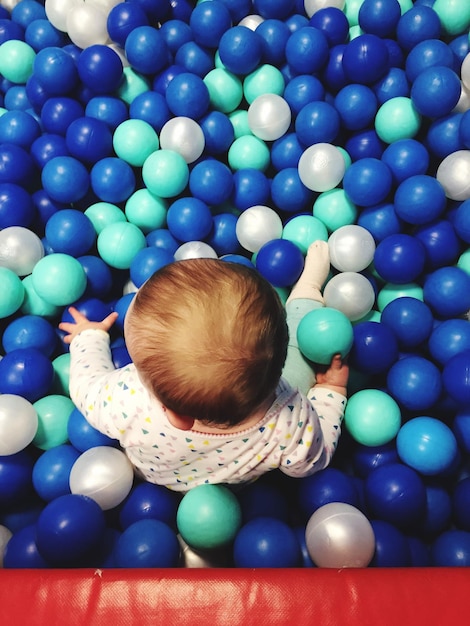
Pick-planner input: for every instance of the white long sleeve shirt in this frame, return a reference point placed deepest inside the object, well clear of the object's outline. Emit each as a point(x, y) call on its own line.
point(298, 434)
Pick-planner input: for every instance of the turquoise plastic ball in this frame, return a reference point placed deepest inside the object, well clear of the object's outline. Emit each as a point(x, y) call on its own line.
point(134, 141)
point(12, 292)
point(59, 279)
point(208, 517)
point(324, 332)
point(372, 417)
point(165, 173)
point(118, 243)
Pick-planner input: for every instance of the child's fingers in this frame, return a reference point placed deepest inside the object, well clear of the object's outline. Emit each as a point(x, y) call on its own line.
point(76, 315)
point(109, 320)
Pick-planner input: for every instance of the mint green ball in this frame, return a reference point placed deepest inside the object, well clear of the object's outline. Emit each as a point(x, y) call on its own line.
point(53, 416)
point(208, 517)
point(133, 84)
point(33, 304)
point(134, 140)
point(335, 209)
point(265, 79)
point(61, 367)
point(59, 279)
point(239, 121)
point(102, 214)
point(165, 173)
point(304, 230)
point(390, 292)
point(249, 151)
point(12, 292)
point(146, 210)
point(454, 15)
point(118, 244)
point(225, 90)
point(16, 61)
point(396, 119)
point(324, 332)
point(372, 417)
point(464, 261)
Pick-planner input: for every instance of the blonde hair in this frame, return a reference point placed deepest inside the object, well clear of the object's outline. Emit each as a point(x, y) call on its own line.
point(209, 338)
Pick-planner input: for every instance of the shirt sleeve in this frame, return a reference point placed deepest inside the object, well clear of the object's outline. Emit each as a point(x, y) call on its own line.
point(96, 385)
point(314, 443)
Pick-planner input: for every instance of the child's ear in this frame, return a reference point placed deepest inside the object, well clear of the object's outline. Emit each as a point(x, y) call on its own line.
point(182, 422)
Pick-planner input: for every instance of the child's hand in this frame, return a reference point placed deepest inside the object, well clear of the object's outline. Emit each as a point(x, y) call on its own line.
point(335, 377)
point(81, 323)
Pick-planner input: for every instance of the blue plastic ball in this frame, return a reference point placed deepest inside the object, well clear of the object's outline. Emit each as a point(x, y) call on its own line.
point(211, 181)
point(151, 107)
point(460, 504)
point(266, 542)
point(380, 220)
point(375, 348)
point(58, 113)
point(223, 237)
point(317, 122)
point(69, 529)
point(15, 478)
point(367, 458)
point(146, 50)
point(218, 132)
point(65, 179)
point(391, 546)
point(16, 206)
point(22, 552)
point(56, 71)
point(441, 243)
point(208, 22)
point(435, 91)
point(395, 493)
point(274, 34)
point(26, 372)
point(52, 470)
point(333, 23)
point(89, 139)
point(461, 430)
point(83, 436)
point(100, 68)
point(365, 59)
point(146, 262)
point(288, 192)
point(194, 58)
point(123, 18)
point(17, 165)
point(149, 501)
point(307, 50)
point(70, 231)
point(30, 331)
point(40, 34)
point(329, 485)
point(449, 338)
point(367, 182)
point(410, 320)
point(399, 258)
point(147, 543)
point(379, 18)
point(393, 85)
point(112, 179)
point(162, 238)
point(451, 549)
point(187, 95)
point(357, 106)
point(250, 188)
point(333, 75)
point(19, 128)
point(364, 144)
point(447, 291)
point(189, 219)
point(302, 89)
point(98, 275)
point(176, 33)
point(48, 146)
point(417, 24)
point(406, 158)
point(427, 445)
point(428, 53)
point(438, 510)
point(415, 383)
point(280, 261)
point(455, 378)
point(107, 109)
point(240, 50)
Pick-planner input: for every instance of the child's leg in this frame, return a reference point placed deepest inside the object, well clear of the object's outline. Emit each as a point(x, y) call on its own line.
point(305, 296)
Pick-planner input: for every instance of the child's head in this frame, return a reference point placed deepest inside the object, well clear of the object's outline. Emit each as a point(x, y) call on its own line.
point(209, 338)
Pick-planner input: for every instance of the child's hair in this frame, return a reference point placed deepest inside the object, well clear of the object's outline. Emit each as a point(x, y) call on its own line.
point(209, 338)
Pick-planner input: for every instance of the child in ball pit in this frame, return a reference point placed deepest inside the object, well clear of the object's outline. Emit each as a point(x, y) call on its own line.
point(210, 396)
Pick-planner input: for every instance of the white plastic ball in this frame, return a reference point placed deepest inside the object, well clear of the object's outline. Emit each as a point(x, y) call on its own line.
point(104, 474)
point(9, 5)
point(57, 11)
point(454, 175)
point(184, 135)
point(195, 250)
point(321, 167)
point(269, 116)
point(120, 52)
point(256, 226)
point(352, 248)
point(338, 535)
point(464, 101)
point(465, 72)
point(251, 21)
point(5, 536)
point(351, 293)
point(18, 423)
point(87, 25)
point(312, 6)
point(20, 249)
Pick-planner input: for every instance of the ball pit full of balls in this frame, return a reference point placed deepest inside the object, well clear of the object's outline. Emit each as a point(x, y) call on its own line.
point(136, 133)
